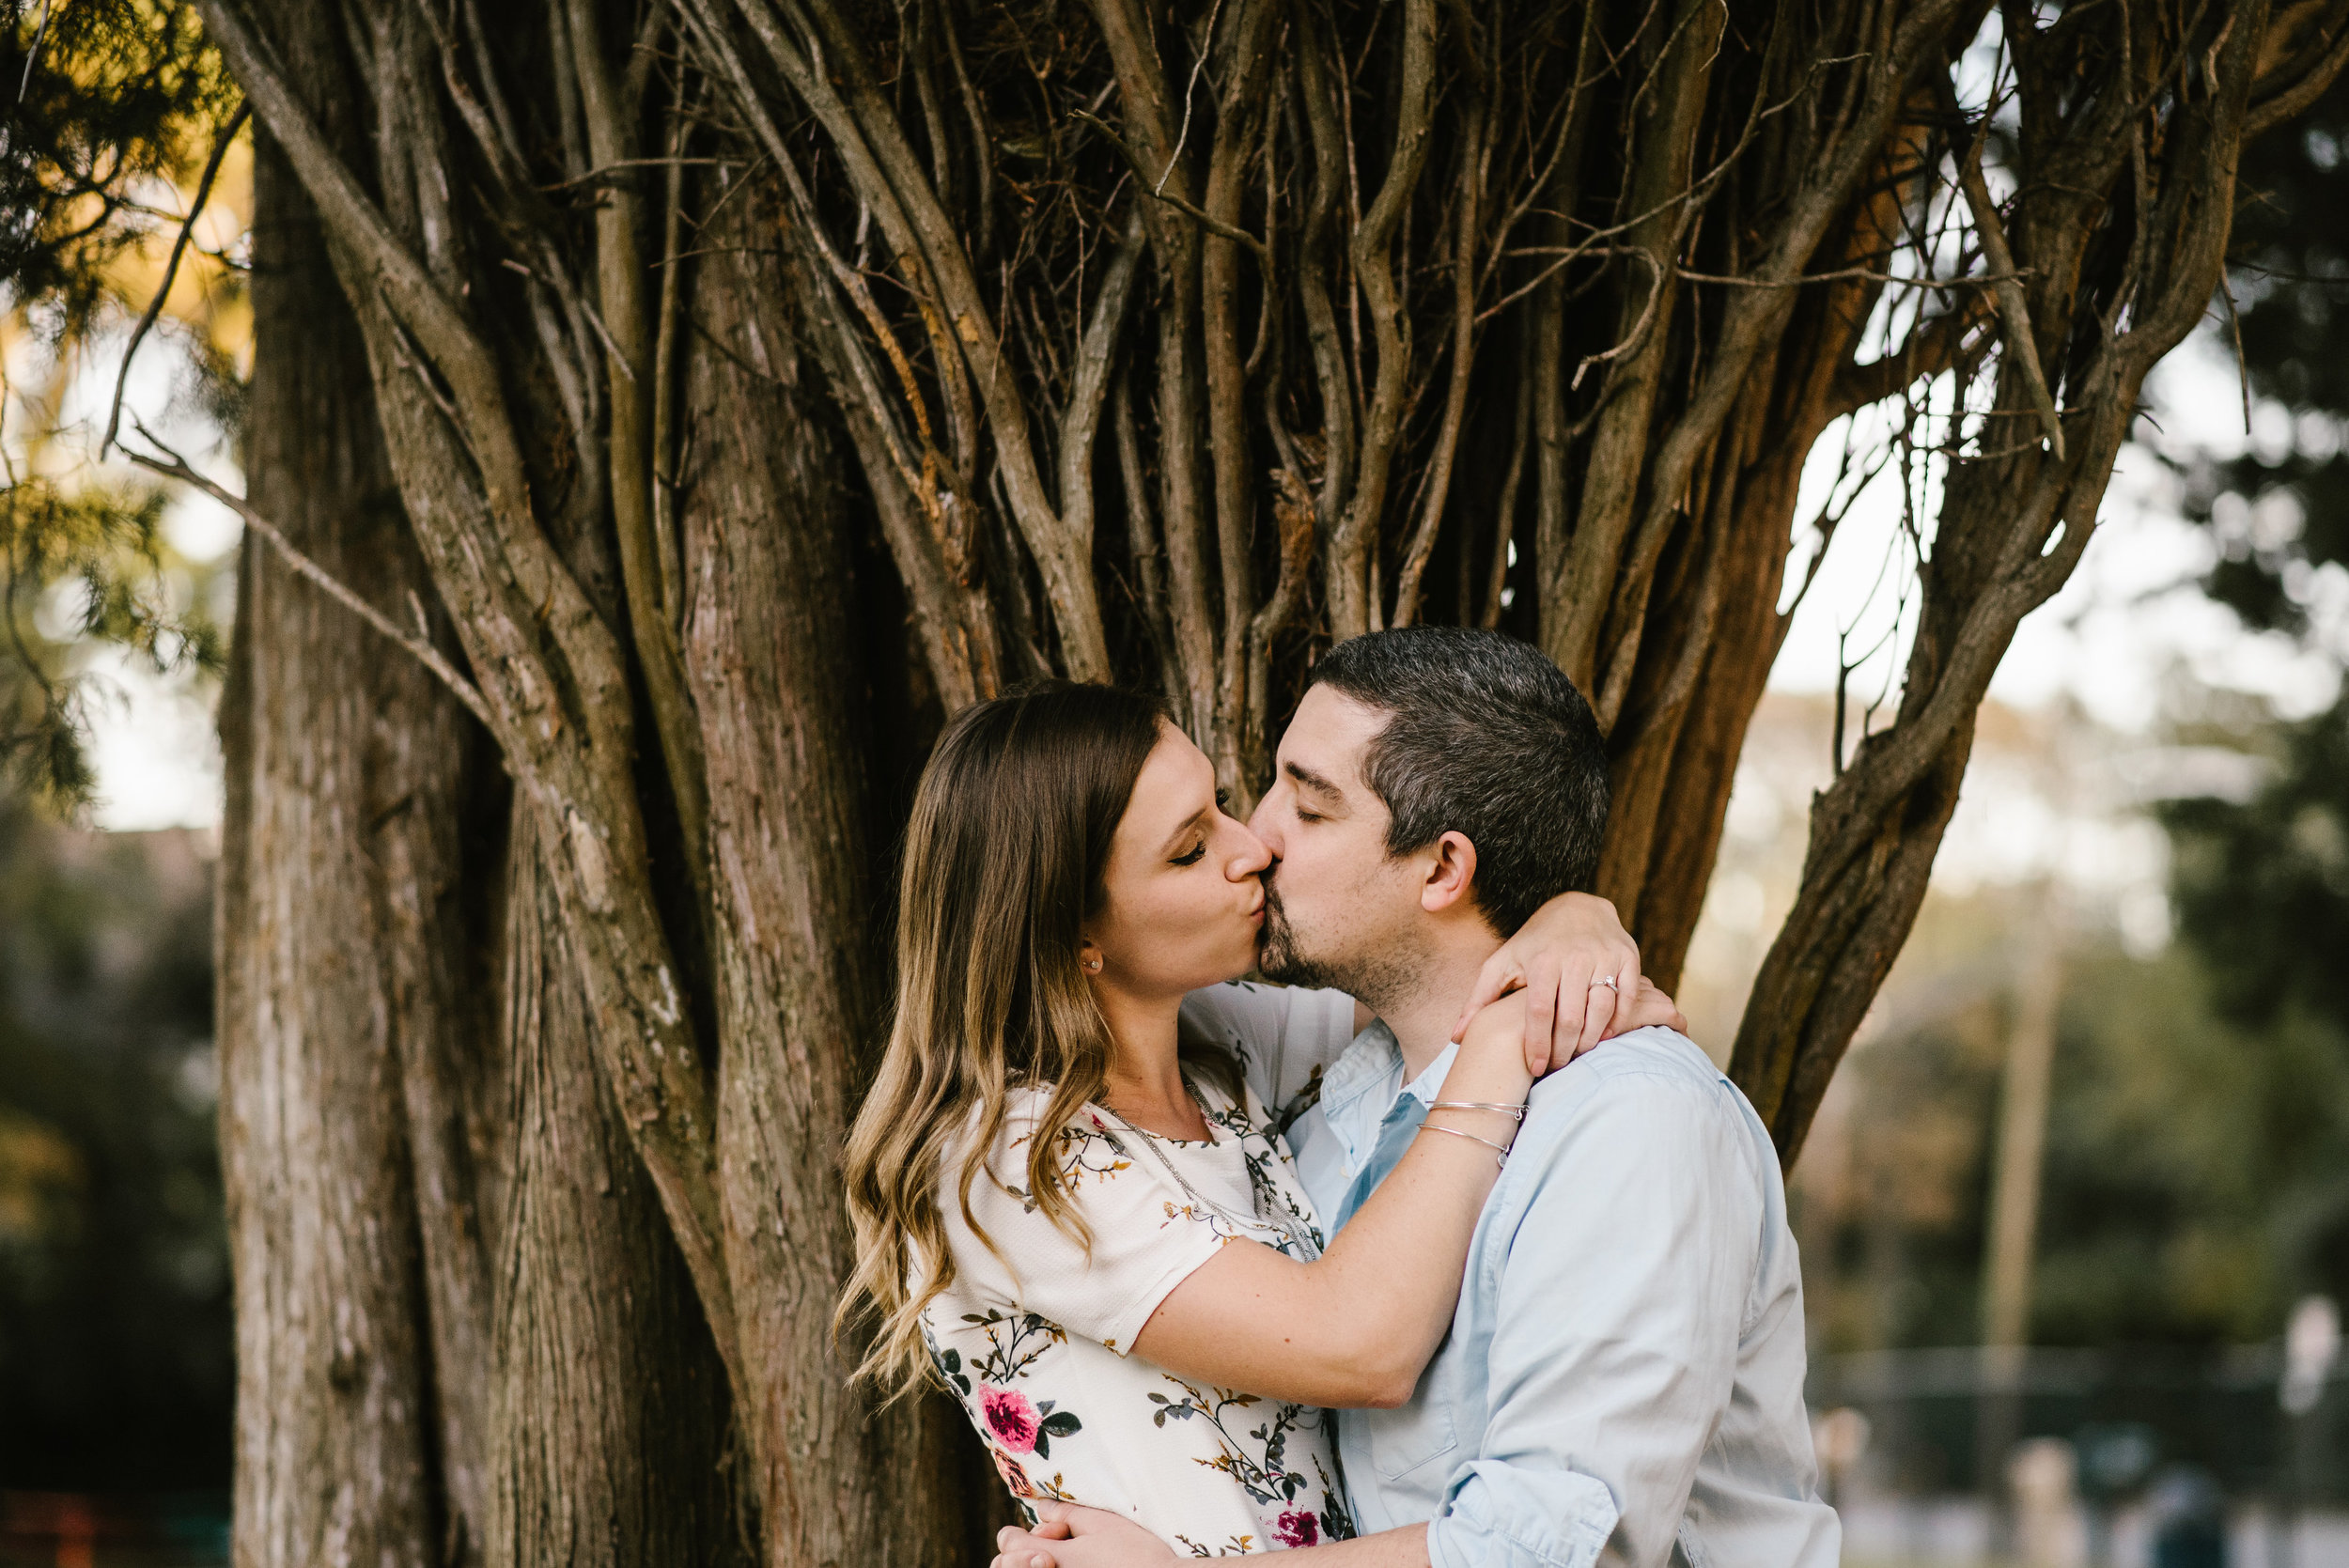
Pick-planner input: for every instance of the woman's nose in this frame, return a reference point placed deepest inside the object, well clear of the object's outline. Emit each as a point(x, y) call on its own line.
point(1254, 856)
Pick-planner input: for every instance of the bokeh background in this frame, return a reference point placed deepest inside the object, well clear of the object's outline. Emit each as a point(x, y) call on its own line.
point(2074, 1219)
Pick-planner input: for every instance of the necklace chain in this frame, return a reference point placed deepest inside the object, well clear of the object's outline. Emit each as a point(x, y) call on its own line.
point(1301, 1244)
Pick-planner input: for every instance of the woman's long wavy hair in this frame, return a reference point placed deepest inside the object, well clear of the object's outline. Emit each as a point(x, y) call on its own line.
point(1004, 861)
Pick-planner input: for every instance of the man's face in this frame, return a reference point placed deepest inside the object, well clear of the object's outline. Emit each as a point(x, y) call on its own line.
point(1338, 911)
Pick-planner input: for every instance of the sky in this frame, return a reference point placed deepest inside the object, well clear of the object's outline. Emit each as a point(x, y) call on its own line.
point(2128, 626)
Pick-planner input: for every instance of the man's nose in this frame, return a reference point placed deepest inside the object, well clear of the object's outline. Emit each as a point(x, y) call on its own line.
point(1264, 822)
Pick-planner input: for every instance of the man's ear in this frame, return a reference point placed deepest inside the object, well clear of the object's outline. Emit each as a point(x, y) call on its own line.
point(1451, 873)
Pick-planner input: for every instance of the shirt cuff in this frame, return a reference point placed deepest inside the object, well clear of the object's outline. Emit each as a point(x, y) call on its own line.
point(1119, 1330)
point(1499, 1516)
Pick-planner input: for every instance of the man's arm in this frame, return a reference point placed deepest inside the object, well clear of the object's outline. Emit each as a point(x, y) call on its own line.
point(1620, 1308)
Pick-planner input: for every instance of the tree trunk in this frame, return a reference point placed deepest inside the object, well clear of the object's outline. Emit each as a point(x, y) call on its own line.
point(606, 1411)
point(340, 958)
point(769, 604)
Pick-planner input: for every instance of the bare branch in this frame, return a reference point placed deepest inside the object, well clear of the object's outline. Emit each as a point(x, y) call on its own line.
point(171, 267)
point(2014, 327)
point(173, 466)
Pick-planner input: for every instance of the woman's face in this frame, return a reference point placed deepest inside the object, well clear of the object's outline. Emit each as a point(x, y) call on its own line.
point(1183, 903)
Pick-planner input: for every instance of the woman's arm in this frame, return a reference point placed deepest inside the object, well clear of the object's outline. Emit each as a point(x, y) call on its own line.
point(1354, 1327)
point(1069, 1537)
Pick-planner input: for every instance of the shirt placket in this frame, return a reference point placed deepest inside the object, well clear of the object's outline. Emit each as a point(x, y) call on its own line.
point(1395, 1131)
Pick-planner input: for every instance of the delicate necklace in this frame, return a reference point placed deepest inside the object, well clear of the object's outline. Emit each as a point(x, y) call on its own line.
point(1300, 1236)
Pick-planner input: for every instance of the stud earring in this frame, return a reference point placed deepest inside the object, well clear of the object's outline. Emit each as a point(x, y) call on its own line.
point(1094, 964)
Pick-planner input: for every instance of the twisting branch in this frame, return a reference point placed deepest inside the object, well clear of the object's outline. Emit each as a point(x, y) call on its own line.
point(173, 466)
point(2014, 329)
point(1089, 387)
point(1476, 158)
point(1153, 185)
point(620, 279)
point(1245, 67)
point(1143, 100)
point(1351, 610)
point(923, 522)
point(171, 268)
point(889, 178)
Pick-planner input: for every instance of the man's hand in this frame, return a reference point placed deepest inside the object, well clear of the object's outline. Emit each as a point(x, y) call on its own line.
point(1071, 1537)
point(1565, 958)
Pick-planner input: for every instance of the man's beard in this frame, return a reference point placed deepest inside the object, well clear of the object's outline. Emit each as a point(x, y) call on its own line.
point(1277, 955)
point(1383, 982)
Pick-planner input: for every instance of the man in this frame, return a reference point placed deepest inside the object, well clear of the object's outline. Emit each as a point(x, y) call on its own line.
point(1623, 1379)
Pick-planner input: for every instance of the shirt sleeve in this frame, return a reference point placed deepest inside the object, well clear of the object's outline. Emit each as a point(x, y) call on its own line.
point(1146, 1234)
point(1283, 1035)
point(1620, 1302)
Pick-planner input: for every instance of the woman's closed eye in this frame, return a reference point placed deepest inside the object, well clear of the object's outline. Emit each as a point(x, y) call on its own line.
point(1197, 852)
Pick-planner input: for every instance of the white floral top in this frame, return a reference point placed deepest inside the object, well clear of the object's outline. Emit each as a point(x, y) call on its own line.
point(1039, 1352)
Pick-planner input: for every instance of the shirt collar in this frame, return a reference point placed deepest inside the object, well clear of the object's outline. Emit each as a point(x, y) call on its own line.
point(1363, 1089)
point(1425, 1087)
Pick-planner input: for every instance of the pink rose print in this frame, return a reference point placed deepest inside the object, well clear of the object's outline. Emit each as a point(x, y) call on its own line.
point(1011, 1418)
point(1297, 1528)
point(1013, 1477)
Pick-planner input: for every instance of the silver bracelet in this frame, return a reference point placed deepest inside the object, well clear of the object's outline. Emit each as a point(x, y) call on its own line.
point(1516, 1110)
point(1500, 1152)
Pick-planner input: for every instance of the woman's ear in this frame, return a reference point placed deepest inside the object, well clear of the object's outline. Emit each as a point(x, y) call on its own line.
point(1088, 956)
point(1450, 873)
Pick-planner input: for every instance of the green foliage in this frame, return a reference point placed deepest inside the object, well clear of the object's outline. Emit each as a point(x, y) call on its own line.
point(2192, 1160)
point(2196, 1179)
point(2262, 887)
point(113, 101)
point(76, 566)
point(2262, 894)
point(2280, 510)
point(116, 102)
point(114, 1343)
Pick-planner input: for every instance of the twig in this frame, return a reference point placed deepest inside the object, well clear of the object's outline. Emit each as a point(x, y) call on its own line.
point(2013, 309)
point(423, 652)
point(602, 170)
point(171, 268)
point(1189, 209)
point(1996, 279)
point(2243, 371)
point(1190, 92)
point(24, 83)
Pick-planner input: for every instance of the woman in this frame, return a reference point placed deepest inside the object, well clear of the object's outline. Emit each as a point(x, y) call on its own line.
point(1083, 1223)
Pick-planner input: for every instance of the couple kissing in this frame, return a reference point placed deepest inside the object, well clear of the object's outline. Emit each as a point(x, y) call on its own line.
point(1363, 1264)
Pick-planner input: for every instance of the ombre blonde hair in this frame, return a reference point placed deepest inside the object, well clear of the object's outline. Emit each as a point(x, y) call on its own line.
point(1003, 860)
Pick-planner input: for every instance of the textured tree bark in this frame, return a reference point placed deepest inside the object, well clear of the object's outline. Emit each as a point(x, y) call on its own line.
point(342, 796)
point(770, 652)
point(606, 1408)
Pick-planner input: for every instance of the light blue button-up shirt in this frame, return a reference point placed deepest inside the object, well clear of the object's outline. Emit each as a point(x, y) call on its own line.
point(1623, 1379)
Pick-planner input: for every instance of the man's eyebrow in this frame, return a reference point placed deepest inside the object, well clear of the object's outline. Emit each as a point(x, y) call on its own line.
point(1311, 780)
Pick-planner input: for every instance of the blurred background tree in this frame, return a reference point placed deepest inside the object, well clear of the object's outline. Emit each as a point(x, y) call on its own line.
point(113, 1265)
point(115, 1368)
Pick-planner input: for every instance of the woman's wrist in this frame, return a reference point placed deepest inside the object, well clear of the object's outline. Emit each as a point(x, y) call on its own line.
point(1489, 1068)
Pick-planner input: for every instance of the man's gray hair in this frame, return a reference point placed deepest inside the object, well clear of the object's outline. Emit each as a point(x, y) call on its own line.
point(1487, 739)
